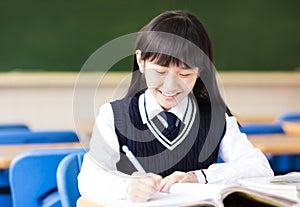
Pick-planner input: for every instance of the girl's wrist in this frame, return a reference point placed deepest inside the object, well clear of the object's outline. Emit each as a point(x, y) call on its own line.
point(193, 177)
point(200, 176)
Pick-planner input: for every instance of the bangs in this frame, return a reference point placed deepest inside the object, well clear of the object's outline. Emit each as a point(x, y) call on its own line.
point(165, 60)
point(168, 49)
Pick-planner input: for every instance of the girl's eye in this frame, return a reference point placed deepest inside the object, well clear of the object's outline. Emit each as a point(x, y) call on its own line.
point(160, 72)
point(185, 74)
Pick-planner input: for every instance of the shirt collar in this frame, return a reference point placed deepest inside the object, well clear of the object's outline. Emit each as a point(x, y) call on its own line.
point(153, 108)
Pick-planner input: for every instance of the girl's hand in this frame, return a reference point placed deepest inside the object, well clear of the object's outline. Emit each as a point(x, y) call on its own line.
point(141, 187)
point(177, 177)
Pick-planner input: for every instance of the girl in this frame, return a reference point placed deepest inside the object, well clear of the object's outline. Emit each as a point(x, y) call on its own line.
point(173, 119)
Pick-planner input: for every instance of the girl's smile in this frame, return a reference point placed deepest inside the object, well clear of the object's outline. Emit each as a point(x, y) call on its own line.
point(169, 96)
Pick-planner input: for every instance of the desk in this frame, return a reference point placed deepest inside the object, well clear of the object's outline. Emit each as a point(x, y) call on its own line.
point(83, 202)
point(8, 152)
point(276, 144)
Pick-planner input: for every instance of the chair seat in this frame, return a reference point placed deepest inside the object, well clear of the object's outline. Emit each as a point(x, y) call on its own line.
point(4, 178)
point(5, 200)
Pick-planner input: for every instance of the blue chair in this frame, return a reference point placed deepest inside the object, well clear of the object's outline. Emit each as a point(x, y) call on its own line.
point(26, 137)
point(13, 127)
point(5, 198)
point(66, 176)
point(261, 128)
point(32, 177)
point(290, 116)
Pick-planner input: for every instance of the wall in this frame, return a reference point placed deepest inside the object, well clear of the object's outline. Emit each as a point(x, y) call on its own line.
point(45, 100)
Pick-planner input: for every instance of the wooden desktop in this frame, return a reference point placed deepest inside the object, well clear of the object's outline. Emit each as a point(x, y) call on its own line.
point(276, 144)
point(83, 202)
point(9, 152)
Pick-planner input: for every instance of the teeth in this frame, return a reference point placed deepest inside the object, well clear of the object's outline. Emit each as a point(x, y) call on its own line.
point(166, 94)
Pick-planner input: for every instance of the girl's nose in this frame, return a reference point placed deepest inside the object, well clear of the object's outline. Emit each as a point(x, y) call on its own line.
point(170, 82)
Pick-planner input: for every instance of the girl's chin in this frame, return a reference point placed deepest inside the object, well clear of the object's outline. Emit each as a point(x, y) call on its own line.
point(168, 104)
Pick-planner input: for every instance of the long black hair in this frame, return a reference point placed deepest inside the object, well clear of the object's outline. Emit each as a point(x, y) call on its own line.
point(176, 38)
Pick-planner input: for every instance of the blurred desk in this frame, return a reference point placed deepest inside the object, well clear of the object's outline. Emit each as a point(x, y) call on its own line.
point(83, 202)
point(8, 152)
point(276, 144)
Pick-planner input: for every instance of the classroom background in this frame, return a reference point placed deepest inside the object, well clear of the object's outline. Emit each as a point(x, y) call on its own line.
point(45, 44)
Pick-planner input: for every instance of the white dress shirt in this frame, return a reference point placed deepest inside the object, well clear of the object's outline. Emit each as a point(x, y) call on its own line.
point(100, 179)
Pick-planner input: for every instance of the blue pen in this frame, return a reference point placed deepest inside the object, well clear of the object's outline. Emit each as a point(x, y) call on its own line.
point(133, 160)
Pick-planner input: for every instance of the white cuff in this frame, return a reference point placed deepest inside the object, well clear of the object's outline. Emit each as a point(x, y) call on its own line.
point(201, 176)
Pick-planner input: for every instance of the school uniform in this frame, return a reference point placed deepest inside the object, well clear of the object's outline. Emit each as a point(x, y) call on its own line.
point(139, 123)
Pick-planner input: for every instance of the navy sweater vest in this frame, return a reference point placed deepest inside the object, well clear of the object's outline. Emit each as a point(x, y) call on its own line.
point(155, 157)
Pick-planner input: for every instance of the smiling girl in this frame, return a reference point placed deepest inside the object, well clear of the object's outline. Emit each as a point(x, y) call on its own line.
point(173, 119)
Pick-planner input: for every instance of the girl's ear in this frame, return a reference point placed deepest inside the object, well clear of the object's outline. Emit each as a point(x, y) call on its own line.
point(140, 62)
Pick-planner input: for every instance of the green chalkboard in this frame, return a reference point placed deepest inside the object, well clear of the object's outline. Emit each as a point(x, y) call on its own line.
point(60, 35)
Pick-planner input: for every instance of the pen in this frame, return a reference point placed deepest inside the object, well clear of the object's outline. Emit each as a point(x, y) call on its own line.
point(132, 159)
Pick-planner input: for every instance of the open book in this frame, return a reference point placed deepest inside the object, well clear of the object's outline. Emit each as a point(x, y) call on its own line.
point(193, 194)
point(287, 185)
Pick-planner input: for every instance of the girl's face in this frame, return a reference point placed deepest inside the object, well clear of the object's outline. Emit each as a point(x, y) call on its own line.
point(169, 85)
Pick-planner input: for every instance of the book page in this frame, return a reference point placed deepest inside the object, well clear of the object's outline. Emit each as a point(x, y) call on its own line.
point(240, 196)
point(232, 193)
point(158, 200)
point(181, 194)
point(204, 191)
point(195, 194)
point(290, 179)
point(286, 185)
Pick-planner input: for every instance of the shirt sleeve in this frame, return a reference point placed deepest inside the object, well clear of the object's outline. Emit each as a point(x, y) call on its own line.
point(241, 159)
point(99, 178)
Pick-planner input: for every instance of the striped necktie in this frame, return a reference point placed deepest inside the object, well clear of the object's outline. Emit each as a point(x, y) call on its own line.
point(171, 120)
point(171, 131)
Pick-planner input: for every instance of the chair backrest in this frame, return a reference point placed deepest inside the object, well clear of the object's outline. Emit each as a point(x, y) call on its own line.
point(67, 184)
point(13, 127)
point(22, 137)
point(261, 128)
point(291, 116)
point(32, 177)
